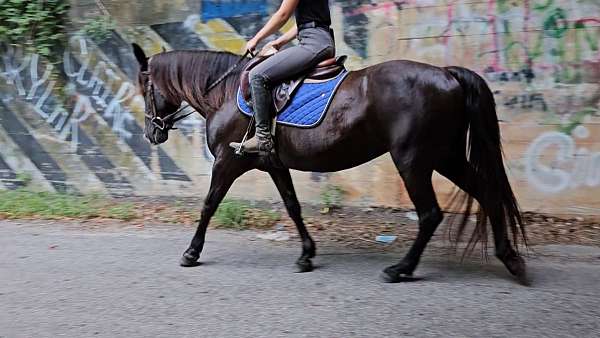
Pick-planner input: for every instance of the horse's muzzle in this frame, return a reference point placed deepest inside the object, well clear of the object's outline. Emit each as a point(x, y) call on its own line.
point(157, 136)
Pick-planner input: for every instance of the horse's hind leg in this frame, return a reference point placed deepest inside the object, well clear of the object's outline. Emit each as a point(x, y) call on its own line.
point(420, 189)
point(460, 173)
point(283, 181)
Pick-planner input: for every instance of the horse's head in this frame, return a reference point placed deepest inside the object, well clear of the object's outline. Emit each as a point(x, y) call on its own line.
point(161, 114)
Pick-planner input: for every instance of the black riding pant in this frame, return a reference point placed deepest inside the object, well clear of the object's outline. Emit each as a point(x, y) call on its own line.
point(316, 44)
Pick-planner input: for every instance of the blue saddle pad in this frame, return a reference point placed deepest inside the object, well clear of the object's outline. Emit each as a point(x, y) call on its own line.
point(307, 107)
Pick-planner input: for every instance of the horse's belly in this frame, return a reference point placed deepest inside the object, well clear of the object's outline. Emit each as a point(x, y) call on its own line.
point(314, 150)
point(329, 163)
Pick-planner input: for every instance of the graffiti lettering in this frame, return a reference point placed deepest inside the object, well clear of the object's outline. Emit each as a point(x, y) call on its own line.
point(526, 101)
point(569, 167)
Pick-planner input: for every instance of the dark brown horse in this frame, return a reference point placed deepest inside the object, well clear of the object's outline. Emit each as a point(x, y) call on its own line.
point(428, 118)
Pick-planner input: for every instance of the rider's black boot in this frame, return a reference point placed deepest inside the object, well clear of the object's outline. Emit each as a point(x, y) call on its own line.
point(262, 142)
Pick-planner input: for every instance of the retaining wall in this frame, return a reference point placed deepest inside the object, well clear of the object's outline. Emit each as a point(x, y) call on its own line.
point(541, 58)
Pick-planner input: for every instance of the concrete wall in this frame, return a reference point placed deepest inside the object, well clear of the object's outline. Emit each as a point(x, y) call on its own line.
point(541, 57)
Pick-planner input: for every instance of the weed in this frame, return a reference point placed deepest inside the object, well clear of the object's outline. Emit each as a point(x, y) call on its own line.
point(231, 214)
point(234, 214)
point(124, 211)
point(24, 203)
point(99, 29)
point(24, 177)
point(332, 196)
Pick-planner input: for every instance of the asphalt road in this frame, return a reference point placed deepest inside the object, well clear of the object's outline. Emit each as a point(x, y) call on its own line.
point(79, 281)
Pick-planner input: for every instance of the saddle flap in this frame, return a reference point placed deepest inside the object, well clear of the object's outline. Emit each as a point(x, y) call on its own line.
point(284, 92)
point(245, 77)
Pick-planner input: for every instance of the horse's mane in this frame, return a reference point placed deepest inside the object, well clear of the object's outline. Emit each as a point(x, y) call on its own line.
point(184, 75)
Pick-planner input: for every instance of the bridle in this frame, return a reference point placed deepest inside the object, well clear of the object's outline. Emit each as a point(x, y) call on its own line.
point(166, 123)
point(163, 123)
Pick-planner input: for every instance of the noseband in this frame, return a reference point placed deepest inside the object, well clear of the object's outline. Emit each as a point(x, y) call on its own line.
point(163, 123)
point(166, 123)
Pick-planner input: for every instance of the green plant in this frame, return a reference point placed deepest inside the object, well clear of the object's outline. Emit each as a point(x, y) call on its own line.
point(24, 177)
point(38, 26)
point(124, 211)
point(232, 214)
point(99, 29)
point(332, 197)
point(24, 203)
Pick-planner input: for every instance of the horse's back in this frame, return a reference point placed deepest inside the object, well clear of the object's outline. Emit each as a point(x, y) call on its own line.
point(414, 100)
point(376, 108)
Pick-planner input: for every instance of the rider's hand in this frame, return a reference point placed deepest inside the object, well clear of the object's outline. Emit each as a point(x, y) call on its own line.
point(251, 45)
point(270, 48)
point(275, 44)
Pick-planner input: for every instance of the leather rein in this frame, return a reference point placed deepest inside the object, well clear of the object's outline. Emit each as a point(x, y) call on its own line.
point(166, 123)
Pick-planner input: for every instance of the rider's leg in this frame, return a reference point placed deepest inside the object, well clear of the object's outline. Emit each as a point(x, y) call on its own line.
point(262, 141)
point(315, 46)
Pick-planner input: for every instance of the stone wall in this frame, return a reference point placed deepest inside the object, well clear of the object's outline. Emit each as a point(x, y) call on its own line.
point(541, 58)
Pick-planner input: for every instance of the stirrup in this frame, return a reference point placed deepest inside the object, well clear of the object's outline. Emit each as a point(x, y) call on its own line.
point(239, 151)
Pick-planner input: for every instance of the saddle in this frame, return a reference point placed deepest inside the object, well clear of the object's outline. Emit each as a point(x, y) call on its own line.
point(282, 93)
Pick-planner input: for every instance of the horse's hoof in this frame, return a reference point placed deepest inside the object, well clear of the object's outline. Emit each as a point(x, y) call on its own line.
point(523, 279)
point(188, 260)
point(304, 265)
point(391, 276)
point(516, 266)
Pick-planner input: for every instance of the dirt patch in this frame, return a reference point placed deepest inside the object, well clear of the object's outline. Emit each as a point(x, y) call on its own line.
point(358, 227)
point(350, 226)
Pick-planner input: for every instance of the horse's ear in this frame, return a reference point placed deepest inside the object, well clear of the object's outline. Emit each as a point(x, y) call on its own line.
point(140, 56)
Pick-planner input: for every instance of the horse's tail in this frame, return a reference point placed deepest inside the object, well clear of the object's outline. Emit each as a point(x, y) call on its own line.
point(485, 156)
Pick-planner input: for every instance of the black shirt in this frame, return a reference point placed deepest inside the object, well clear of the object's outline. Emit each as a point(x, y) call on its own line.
point(313, 10)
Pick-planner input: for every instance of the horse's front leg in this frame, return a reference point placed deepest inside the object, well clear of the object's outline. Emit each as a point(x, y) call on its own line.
point(283, 181)
point(224, 172)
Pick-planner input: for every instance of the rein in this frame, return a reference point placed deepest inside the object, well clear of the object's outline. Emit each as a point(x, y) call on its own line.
point(166, 123)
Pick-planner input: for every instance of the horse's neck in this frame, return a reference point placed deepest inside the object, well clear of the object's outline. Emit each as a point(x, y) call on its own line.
point(199, 103)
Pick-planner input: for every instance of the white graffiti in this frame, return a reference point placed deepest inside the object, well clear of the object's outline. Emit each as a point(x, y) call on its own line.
point(102, 89)
point(23, 73)
point(569, 167)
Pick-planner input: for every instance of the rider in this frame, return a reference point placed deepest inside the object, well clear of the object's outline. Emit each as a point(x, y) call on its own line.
point(316, 44)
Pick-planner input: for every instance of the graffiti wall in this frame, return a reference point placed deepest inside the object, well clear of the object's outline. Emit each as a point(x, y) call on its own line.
point(541, 58)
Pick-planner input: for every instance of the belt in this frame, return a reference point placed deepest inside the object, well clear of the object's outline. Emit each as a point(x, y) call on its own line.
point(313, 24)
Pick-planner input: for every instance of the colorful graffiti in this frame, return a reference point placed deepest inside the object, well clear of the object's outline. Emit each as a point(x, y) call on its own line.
point(541, 58)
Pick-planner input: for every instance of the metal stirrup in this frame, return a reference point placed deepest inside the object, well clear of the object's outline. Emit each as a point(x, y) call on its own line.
point(239, 151)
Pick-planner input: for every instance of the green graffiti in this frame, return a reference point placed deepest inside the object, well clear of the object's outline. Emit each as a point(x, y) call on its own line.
point(556, 24)
point(542, 7)
point(577, 120)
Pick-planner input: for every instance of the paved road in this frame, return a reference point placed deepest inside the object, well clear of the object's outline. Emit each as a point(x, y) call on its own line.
point(76, 281)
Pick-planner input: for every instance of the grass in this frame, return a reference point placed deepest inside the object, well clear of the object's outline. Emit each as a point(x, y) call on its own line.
point(234, 214)
point(22, 203)
point(332, 197)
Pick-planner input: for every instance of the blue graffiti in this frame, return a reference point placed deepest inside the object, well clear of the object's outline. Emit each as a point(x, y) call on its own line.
point(212, 9)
